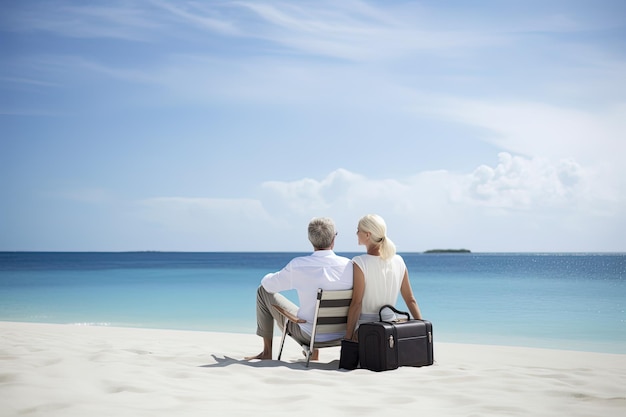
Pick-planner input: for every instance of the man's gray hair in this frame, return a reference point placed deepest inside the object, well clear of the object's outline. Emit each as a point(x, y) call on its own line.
point(321, 232)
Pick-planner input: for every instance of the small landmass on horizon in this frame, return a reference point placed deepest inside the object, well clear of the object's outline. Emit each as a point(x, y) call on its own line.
point(448, 251)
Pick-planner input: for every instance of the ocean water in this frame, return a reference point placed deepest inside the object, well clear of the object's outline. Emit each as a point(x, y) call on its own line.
point(564, 301)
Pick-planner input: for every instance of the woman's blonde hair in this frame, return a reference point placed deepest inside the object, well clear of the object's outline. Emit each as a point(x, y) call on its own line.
point(376, 226)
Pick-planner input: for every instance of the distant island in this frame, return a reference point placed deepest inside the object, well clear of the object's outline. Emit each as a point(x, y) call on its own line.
point(448, 251)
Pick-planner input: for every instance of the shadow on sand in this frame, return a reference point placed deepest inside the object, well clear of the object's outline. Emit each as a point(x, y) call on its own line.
point(222, 362)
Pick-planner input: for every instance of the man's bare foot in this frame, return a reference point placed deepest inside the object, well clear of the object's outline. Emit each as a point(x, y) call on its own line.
point(263, 356)
point(315, 355)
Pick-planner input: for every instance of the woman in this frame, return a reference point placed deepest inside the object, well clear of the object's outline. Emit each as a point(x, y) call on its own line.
point(379, 276)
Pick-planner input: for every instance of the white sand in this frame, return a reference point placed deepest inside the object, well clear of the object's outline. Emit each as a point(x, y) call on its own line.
point(63, 370)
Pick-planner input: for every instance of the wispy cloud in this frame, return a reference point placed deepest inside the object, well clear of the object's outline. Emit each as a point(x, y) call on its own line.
point(404, 42)
point(115, 20)
point(540, 129)
point(354, 30)
point(202, 215)
point(351, 30)
point(205, 16)
point(26, 82)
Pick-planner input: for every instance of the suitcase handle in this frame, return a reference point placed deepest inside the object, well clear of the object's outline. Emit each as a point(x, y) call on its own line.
point(392, 308)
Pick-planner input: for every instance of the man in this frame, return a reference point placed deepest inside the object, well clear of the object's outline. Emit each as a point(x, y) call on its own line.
point(322, 269)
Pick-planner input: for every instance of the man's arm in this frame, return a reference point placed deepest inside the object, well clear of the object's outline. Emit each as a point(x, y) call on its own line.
point(278, 281)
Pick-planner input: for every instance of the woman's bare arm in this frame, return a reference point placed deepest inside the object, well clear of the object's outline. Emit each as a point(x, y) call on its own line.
point(354, 312)
point(409, 298)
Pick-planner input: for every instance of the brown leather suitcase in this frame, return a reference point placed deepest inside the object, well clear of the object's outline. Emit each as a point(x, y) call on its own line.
point(386, 345)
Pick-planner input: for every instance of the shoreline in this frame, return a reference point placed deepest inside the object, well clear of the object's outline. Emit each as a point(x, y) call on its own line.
point(71, 370)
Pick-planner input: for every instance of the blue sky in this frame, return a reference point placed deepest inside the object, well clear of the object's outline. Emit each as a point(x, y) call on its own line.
point(496, 126)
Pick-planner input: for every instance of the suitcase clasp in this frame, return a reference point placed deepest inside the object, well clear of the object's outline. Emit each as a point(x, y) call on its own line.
point(391, 341)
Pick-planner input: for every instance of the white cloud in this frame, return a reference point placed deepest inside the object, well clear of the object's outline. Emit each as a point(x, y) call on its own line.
point(517, 204)
point(526, 184)
point(515, 182)
point(309, 195)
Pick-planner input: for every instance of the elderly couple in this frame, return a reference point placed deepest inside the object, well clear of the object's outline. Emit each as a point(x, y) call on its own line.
point(376, 278)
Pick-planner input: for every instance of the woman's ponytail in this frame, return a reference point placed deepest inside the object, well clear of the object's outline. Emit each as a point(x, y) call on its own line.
point(387, 248)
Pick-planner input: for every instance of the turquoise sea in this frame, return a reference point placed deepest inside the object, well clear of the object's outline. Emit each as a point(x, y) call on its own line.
point(564, 301)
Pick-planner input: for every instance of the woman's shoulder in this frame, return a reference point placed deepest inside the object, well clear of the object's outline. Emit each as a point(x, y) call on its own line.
point(365, 259)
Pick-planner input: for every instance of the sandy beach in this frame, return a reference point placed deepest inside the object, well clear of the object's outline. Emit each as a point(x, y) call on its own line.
point(69, 370)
